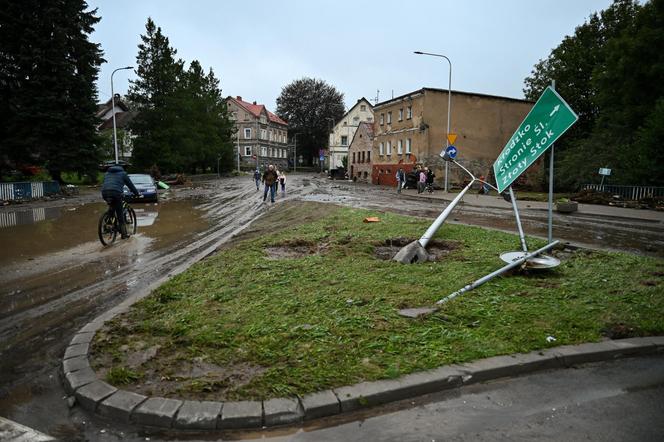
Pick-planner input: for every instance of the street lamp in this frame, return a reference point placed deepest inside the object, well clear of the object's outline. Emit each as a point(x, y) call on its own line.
point(115, 133)
point(295, 152)
point(449, 102)
point(329, 143)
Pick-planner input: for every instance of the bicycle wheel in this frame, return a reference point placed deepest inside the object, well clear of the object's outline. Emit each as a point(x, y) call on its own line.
point(130, 220)
point(106, 229)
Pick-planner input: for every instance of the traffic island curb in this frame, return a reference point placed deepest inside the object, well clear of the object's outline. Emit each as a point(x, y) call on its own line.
point(106, 400)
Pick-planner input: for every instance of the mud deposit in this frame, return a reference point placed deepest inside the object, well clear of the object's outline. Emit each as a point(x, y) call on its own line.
point(437, 250)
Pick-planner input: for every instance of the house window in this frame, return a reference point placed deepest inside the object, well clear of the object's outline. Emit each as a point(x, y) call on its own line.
point(401, 114)
point(400, 147)
point(382, 117)
point(247, 132)
point(363, 107)
point(247, 151)
point(408, 145)
point(362, 156)
point(263, 151)
point(270, 135)
point(368, 156)
point(389, 148)
point(344, 140)
point(353, 157)
point(381, 152)
point(246, 116)
point(409, 112)
point(263, 134)
point(389, 117)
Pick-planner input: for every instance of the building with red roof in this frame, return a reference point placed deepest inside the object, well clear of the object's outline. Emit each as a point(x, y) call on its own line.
point(262, 137)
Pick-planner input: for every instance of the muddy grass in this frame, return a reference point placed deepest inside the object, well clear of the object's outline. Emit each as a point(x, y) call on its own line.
point(307, 299)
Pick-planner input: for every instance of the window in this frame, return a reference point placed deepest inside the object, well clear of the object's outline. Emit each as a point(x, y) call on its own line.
point(409, 112)
point(270, 134)
point(400, 147)
point(263, 151)
point(389, 148)
point(363, 107)
point(368, 156)
point(362, 156)
point(246, 116)
point(389, 117)
point(356, 119)
point(401, 114)
point(380, 149)
point(263, 119)
point(344, 140)
point(247, 132)
point(353, 157)
point(408, 145)
point(263, 134)
point(247, 151)
point(382, 117)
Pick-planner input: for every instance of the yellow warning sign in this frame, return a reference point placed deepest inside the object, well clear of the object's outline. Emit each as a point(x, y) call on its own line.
point(451, 138)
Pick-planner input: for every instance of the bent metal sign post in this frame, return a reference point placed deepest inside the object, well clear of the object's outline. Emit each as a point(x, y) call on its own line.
point(545, 123)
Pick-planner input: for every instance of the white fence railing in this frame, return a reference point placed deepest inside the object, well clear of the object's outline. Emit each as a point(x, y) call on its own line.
point(633, 193)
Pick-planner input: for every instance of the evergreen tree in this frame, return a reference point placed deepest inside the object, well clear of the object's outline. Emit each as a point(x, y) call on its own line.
point(182, 122)
point(158, 75)
point(308, 105)
point(48, 69)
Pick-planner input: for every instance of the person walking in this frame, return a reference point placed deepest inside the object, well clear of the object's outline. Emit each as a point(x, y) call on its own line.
point(401, 179)
point(270, 180)
point(422, 181)
point(282, 181)
point(430, 177)
point(257, 179)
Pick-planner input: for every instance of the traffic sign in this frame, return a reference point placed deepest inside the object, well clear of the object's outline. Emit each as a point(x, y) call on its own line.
point(451, 151)
point(451, 138)
point(549, 118)
point(604, 171)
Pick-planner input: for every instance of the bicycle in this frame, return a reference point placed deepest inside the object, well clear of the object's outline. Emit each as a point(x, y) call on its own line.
point(109, 227)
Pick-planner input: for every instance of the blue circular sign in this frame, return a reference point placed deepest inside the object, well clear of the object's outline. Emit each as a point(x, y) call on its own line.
point(451, 151)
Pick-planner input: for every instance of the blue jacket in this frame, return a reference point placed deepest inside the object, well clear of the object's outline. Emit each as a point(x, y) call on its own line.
point(116, 178)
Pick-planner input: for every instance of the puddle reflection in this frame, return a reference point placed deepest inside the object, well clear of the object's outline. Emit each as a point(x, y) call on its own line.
point(29, 216)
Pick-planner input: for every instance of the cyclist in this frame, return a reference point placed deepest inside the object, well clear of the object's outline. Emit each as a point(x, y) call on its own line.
point(114, 181)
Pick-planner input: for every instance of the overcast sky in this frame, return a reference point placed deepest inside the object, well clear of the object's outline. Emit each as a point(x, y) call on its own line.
point(257, 47)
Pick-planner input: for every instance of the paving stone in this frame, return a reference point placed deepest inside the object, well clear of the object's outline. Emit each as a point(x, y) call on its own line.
point(379, 392)
point(92, 327)
point(77, 379)
point(509, 365)
point(323, 403)
point(75, 364)
point(76, 350)
point(243, 414)
point(198, 415)
point(120, 404)
point(156, 412)
point(82, 338)
point(93, 393)
point(600, 351)
point(282, 411)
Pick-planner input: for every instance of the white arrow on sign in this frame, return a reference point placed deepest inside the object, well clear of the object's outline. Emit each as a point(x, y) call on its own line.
point(555, 109)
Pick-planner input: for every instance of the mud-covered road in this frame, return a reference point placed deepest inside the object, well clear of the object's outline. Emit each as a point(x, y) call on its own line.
point(55, 275)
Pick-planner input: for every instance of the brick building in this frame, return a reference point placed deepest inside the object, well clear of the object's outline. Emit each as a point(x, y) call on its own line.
point(359, 153)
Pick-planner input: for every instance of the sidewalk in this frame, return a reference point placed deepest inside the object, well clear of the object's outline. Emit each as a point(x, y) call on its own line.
point(474, 199)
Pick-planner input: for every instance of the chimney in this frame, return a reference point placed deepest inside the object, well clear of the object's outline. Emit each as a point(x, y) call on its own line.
point(254, 103)
point(239, 98)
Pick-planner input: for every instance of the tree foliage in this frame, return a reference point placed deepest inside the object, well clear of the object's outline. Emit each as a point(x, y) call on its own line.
point(48, 69)
point(308, 105)
point(182, 122)
point(610, 71)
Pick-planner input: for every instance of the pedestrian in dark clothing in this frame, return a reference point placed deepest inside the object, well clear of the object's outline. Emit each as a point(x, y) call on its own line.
point(257, 178)
point(111, 190)
point(270, 181)
point(401, 179)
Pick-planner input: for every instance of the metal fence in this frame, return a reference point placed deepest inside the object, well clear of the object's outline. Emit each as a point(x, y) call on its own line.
point(633, 193)
point(27, 190)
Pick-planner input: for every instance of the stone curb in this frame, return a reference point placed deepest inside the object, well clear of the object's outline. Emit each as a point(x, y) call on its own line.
point(97, 396)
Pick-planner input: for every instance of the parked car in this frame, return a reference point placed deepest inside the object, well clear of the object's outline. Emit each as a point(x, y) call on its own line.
point(145, 186)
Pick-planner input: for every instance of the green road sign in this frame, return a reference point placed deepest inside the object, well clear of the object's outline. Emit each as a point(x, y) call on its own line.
point(544, 124)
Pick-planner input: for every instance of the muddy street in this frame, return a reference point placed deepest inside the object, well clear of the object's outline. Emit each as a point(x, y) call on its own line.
point(56, 275)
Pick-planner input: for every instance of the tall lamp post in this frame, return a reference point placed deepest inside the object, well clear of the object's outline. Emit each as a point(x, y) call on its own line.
point(115, 132)
point(295, 152)
point(330, 139)
point(449, 102)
